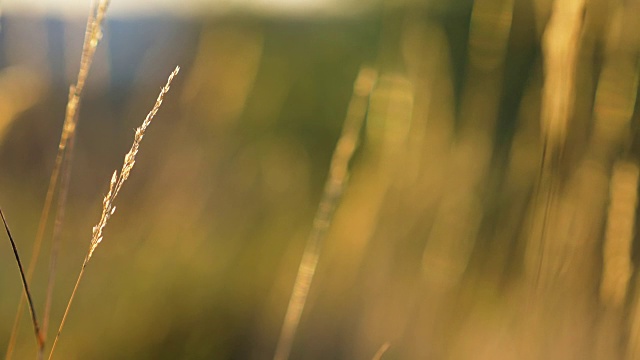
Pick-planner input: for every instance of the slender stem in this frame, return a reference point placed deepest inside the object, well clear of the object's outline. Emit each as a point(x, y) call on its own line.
point(57, 228)
point(66, 311)
point(333, 189)
point(25, 285)
point(35, 253)
point(114, 188)
point(91, 40)
point(383, 349)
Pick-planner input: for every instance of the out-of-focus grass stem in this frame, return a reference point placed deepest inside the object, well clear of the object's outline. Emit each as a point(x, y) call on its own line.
point(334, 187)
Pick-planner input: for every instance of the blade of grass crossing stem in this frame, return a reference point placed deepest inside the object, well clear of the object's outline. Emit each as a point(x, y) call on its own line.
point(25, 284)
point(333, 190)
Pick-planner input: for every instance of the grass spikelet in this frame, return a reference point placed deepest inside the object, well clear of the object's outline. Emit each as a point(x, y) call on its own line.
point(334, 187)
point(108, 207)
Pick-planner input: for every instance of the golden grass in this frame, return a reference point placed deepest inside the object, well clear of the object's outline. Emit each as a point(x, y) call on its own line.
point(632, 329)
point(561, 42)
point(618, 240)
point(416, 238)
point(383, 349)
point(108, 206)
point(93, 34)
point(333, 189)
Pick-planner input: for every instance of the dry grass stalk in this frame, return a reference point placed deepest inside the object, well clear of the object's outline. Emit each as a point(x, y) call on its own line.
point(617, 266)
point(383, 349)
point(108, 207)
point(93, 34)
point(25, 284)
point(57, 229)
point(560, 46)
point(560, 49)
point(544, 243)
point(633, 323)
point(333, 190)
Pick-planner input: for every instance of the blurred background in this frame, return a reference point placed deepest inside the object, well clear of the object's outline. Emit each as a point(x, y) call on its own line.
point(491, 205)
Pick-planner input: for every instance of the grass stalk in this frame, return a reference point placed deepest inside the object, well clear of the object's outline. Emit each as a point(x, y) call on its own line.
point(93, 34)
point(25, 284)
point(617, 265)
point(108, 207)
point(57, 229)
point(334, 187)
point(380, 353)
point(561, 42)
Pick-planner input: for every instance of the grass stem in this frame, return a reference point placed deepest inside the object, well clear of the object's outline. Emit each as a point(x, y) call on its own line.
point(108, 207)
point(334, 187)
point(25, 285)
point(93, 34)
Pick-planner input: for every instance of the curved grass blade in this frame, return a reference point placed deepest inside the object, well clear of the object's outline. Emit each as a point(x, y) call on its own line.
point(25, 284)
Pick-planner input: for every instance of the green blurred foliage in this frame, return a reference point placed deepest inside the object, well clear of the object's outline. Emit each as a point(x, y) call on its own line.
point(428, 249)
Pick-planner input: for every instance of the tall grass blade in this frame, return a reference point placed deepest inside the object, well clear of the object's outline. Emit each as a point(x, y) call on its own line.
point(333, 190)
point(25, 284)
